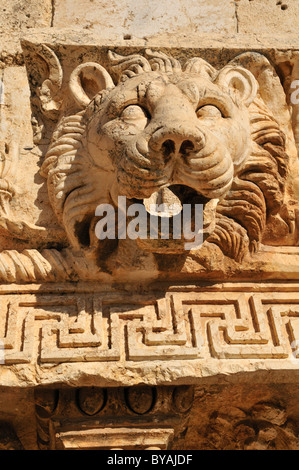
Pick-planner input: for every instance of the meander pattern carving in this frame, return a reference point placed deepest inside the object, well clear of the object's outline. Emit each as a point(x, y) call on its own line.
point(176, 325)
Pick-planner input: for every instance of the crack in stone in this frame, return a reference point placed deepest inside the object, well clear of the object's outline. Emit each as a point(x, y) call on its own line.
point(53, 13)
point(236, 15)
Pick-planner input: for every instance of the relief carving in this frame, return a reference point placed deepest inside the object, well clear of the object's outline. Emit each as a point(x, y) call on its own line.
point(133, 418)
point(150, 128)
point(188, 133)
point(186, 327)
point(264, 426)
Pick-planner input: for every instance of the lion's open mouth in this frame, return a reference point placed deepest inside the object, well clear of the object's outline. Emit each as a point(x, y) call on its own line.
point(176, 214)
point(173, 199)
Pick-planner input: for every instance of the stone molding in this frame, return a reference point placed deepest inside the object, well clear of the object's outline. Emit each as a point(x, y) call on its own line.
point(193, 332)
point(90, 418)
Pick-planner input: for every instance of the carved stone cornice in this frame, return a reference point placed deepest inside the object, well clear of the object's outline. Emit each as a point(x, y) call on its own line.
point(187, 332)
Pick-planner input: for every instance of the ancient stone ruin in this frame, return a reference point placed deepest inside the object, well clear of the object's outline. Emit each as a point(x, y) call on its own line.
point(149, 198)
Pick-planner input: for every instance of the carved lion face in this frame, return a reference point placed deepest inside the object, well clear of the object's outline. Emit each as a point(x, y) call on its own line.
point(161, 130)
point(167, 133)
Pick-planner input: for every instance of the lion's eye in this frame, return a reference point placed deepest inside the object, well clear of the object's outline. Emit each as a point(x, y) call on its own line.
point(209, 112)
point(134, 114)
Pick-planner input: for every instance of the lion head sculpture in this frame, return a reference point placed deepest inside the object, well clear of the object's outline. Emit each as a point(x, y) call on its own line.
point(201, 134)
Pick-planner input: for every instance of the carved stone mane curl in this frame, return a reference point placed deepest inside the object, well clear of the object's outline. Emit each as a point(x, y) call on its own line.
point(66, 169)
point(256, 192)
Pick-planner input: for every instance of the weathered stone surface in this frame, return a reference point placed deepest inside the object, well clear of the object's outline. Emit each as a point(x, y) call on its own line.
point(267, 16)
point(16, 17)
point(140, 19)
point(243, 417)
point(17, 411)
point(20, 14)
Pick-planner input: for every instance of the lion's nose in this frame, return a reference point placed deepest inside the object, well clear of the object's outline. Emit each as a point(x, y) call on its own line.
point(174, 143)
point(170, 146)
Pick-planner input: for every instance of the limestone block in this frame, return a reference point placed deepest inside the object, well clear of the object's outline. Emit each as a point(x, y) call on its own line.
point(20, 14)
point(16, 144)
point(268, 16)
point(144, 18)
point(16, 17)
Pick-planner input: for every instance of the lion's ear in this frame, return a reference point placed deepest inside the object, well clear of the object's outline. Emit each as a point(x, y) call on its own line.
point(87, 80)
point(241, 81)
